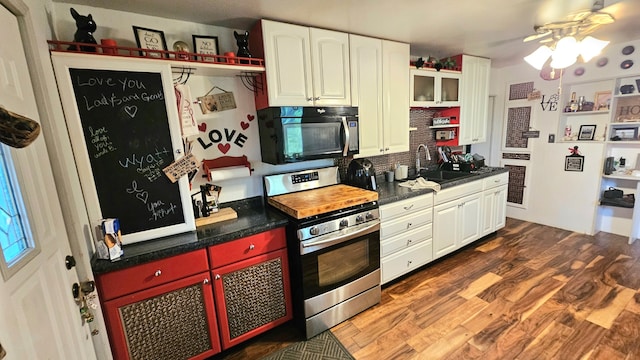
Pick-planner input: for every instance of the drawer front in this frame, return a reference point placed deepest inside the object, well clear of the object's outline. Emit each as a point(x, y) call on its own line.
point(405, 223)
point(404, 207)
point(245, 248)
point(408, 239)
point(406, 260)
point(494, 181)
point(458, 191)
point(136, 278)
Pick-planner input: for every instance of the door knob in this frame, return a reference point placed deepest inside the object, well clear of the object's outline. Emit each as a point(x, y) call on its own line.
point(69, 262)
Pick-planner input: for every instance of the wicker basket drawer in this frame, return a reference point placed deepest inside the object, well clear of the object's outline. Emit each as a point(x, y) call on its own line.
point(245, 248)
point(136, 278)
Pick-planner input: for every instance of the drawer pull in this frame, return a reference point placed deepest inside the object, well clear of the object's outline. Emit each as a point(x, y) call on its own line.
point(409, 242)
point(251, 247)
point(205, 281)
point(409, 263)
point(409, 225)
point(217, 277)
point(408, 207)
point(157, 273)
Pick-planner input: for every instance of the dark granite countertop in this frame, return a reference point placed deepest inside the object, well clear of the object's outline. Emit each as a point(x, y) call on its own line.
point(253, 218)
point(391, 192)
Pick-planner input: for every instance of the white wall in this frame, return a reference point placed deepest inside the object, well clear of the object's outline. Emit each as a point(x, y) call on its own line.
point(567, 200)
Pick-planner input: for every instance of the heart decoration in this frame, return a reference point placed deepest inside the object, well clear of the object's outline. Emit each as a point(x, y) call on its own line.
point(202, 127)
point(244, 125)
point(224, 148)
point(250, 117)
point(143, 196)
point(131, 110)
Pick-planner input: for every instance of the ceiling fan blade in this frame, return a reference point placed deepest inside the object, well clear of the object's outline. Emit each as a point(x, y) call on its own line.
point(537, 36)
point(600, 18)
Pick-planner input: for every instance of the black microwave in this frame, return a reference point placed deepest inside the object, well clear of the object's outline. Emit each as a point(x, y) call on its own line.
point(294, 133)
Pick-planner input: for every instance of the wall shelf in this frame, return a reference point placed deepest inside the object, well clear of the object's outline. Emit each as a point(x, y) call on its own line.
point(443, 126)
point(571, 113)
point(181, 62)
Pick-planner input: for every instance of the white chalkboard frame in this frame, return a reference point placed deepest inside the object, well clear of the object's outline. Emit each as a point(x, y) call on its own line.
point(62, 63)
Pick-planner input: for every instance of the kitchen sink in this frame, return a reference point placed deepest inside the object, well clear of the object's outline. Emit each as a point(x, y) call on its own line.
point(443, 176)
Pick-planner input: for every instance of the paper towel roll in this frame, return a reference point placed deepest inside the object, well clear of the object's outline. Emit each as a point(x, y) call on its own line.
point(230, 172)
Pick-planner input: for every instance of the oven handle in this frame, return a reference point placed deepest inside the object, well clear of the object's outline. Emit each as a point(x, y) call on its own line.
point(345, 126)
point(354, 232)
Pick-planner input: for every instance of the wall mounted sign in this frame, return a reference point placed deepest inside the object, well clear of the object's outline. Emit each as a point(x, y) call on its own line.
point(531, 134)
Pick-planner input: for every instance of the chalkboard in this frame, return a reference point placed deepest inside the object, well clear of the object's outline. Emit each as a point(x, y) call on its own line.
point(123, 117)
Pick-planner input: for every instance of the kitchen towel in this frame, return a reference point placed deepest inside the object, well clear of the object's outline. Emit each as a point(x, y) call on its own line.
point(421, 183)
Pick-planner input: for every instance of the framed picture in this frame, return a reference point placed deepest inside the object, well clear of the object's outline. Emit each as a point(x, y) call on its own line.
point(586, 132)
point(573, 163)
point(152, 40)
point(205, 45)
point(625, 134)
point(602, 100)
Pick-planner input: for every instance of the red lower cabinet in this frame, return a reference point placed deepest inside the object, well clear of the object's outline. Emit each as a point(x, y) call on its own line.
point(171, 321)
point(165, 309)
point(252, 296)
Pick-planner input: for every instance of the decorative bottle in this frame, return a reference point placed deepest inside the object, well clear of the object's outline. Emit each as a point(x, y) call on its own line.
point(573, 104)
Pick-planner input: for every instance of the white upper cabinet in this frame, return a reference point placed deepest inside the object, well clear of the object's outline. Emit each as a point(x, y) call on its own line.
point(474, 100)
point(330, 63)
point(305, 66)
point(366, 92)
point(380, 87)
point(431, 88)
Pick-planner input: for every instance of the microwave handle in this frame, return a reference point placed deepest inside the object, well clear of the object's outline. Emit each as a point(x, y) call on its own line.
point(345, 126)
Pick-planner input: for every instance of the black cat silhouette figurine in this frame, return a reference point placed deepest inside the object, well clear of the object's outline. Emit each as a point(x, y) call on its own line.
point(84, 33)
point(243, 46)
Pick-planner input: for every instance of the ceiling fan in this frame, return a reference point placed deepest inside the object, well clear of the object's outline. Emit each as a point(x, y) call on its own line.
point(578, 24)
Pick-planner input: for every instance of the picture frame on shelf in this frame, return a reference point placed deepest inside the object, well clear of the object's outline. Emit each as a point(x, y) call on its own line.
point(587, 132)
point(602, 100)
point(574, 163)
point(625, 134)
point(208, 45)
point(150, 39)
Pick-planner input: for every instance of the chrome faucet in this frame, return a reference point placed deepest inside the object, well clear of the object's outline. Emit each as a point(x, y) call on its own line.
point(426, 150)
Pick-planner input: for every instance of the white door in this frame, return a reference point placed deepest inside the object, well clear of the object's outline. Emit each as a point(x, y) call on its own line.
point(470, 219)
point(39, 318)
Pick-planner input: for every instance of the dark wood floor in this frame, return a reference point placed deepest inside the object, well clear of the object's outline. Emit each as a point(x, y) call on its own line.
point(529, 292)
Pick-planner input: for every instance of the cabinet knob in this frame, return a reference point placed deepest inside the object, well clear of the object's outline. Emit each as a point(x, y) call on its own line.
point(409, 242)
point(251, 247)
point(409, 263)
point(409, 225)
point(309, 99)
point(316, 98)
point(205, 281)
point(178, 151)
point(217, 277)
point(158, 273)
point(386, 149)
point(381, 150)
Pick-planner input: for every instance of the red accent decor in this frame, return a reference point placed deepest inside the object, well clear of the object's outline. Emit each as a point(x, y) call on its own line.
point(224, 148)
point(250, 117)
point(202, 127)
point(224, 161)
point(238, 250)
point(244, 125)
point(123, 51)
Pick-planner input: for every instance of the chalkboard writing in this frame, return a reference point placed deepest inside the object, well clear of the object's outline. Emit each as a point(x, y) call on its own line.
point(126, 130)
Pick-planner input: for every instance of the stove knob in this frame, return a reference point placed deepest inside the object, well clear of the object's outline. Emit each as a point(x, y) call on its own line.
point(314, 230)
point(369, 216)
point(359, 218)
point(344, 223)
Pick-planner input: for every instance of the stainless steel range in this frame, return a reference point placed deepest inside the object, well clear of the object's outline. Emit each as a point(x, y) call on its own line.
point(333, 243)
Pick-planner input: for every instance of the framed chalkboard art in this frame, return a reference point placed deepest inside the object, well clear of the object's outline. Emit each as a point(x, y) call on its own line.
point(124, 129)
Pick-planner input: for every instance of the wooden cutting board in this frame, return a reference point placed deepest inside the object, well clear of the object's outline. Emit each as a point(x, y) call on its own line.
point(319, 201)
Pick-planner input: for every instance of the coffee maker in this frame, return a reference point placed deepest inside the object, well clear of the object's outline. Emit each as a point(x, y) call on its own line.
point(361, 173)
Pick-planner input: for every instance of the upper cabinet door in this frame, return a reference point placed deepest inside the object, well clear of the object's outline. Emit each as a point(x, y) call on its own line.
point(430, 88)
point(287, 54)
point(366, 92)
point(474, 100)
point(330, 63)
point(395, 94)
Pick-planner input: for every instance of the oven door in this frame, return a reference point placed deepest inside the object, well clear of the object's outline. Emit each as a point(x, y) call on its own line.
point(333, 260)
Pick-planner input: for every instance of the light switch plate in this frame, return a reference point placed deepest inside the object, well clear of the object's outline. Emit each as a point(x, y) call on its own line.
point(552, 138)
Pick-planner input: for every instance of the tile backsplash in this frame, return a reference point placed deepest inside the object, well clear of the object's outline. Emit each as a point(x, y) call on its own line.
point(419, 119)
